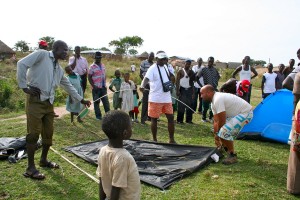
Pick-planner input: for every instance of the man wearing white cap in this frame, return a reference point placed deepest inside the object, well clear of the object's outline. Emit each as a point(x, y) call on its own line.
point(160, 100)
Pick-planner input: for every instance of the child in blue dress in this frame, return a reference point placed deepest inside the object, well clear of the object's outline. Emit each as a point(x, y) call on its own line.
point(72, 106)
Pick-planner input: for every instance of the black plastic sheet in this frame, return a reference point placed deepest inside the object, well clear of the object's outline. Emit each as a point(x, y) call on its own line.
point(12, 148)
point(159, 164)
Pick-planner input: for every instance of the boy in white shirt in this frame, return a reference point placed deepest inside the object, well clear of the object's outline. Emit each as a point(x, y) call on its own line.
point(269, 82)
point(117, 170)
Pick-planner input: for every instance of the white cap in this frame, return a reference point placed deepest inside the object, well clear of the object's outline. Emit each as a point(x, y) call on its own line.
point(161, 55)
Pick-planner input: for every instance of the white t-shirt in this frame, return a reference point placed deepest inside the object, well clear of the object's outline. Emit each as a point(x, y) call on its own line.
point(231, 104)
point(196, 69)
point(116, 167)
point(133, 68)
point(269, 85)
point(171, 69)
point(156, 94)
point(294, 72)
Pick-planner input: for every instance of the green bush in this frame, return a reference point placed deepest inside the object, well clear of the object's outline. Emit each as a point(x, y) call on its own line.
point(60, 96)
point(5, 93)
point(256, 82)
point(225, 74)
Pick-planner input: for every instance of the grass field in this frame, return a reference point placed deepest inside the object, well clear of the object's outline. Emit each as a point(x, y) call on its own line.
point(259, 174)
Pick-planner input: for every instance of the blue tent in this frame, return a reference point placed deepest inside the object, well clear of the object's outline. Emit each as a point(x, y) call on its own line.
point(272, 118)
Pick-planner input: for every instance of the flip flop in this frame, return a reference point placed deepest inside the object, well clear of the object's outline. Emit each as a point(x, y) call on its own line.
point(49, 164)
point(34, 175)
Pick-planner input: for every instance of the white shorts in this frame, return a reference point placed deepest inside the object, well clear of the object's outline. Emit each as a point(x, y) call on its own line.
point(233, 125)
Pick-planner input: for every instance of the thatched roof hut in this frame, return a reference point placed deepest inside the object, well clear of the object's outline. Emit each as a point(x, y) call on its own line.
point(5, 51)
point(143, 56)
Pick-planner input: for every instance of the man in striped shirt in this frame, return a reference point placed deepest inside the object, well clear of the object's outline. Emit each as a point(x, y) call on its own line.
point(97, 80)
point(210, 76)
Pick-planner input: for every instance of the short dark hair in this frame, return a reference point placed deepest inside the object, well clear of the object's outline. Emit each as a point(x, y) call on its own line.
point(117, 71)
point(114, 123)
point(247, 57)
point(57, 44)
point(68, 67)
point(211, 58)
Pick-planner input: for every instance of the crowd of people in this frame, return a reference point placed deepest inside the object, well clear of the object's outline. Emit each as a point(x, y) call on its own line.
point(163, 90)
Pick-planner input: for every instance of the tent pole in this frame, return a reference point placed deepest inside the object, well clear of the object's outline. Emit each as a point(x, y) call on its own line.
point(66, 159)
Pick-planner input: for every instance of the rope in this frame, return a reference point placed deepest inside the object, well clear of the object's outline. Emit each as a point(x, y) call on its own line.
point(66, 159)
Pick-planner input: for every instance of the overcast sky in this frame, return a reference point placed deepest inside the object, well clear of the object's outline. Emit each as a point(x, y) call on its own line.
point(225, 29)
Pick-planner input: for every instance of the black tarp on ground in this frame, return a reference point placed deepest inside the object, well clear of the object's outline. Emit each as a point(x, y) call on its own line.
point(12, 148)
point(159, 164)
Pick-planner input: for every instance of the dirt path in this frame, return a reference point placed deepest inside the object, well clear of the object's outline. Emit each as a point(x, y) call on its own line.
point(61, 111)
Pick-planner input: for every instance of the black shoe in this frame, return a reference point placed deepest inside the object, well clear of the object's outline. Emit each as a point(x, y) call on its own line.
point(190, 122)
point(178, 122)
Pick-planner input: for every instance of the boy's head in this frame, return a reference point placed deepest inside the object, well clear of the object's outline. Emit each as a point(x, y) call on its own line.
point(117, 73)
point(126, 76)
point(270, 67)
point(116, 124)
point(68, 70)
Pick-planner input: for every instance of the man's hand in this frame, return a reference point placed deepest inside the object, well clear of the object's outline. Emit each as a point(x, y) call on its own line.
point(142, 89)
point(86, 103)
point(32, 91)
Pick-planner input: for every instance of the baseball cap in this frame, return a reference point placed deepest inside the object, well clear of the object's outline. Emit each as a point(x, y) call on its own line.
point(98, 54)
point(161, 55)
point(245, 85)
point(43, 43)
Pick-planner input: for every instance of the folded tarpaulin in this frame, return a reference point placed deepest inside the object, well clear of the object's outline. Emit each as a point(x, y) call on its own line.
point(12, 142)
point(159, 164)
point(12, 148)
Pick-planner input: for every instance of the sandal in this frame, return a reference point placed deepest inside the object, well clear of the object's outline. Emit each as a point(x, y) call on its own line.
point(49, 164)
point(34, 175)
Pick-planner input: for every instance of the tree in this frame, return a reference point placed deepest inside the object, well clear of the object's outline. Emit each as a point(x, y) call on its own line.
point(123, 44)
point(257, 62)
point(132, 52)
point(104, 49)
point(261, 62)
point(119, 51)
point(85, 48)
point(50, 40)
point(21, 46)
